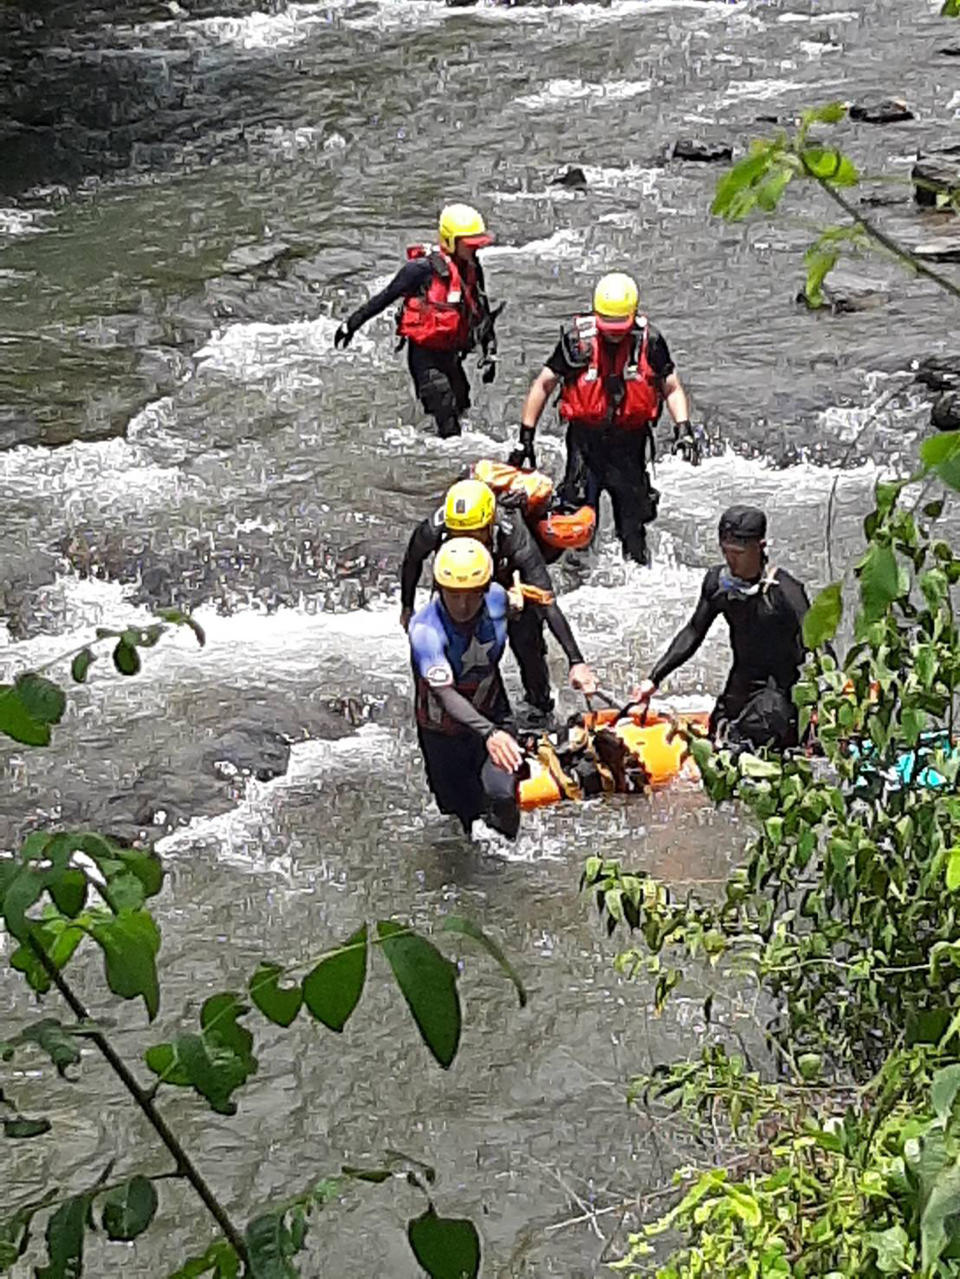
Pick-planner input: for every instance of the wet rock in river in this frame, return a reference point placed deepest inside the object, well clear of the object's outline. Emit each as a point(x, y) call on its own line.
point(937, 174)
point(845, 291)
point(250, 750)
point(572, 177)
point(883, 111)
point(950, 51)
point(945, 414)
point(940, 372)
point(700, 152)
point(945, 248)
point(255, 259)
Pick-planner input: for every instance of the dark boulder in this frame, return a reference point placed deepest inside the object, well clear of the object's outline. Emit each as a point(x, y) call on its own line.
point(250, 750)
point(945, 414)
point(939, 372)
point(572, 177)
point(934, 175)
point(950, 51)
point(700, 152)
point(883, 111)
point(883, 200)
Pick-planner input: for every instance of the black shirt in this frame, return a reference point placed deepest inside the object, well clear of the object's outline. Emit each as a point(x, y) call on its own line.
point(765, 630)
point(658, 355)
point(412, 279)
point(513, 549)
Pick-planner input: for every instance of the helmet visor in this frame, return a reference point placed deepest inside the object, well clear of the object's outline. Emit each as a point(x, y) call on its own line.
point(612, 326)
point(478, 241)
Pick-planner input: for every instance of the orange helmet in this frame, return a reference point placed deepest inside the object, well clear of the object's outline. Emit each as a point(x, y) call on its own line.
point(568, 532)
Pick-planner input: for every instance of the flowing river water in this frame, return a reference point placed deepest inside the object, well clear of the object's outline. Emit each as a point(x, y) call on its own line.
point(194, 195)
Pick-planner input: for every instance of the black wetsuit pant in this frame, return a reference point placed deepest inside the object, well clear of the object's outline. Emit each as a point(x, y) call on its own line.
point(529, 647)
point(441, 385)
point(615, 461)
point(754, 713)
point(466, 782)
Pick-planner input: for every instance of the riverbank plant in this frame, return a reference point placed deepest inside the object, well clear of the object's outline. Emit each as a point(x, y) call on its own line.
point(64, 892)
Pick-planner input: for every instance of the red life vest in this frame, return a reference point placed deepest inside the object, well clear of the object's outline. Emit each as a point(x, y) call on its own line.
point(443, 315)
point(586, 399)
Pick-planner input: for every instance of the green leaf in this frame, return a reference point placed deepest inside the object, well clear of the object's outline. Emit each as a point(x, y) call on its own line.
point(17, 722)
point(943, 1090)
point(829, 113)
point(819, 263)
point(64, 1237)
point(44, 700)
point(891, 1247)
point(953, 869)
point(81, 664)
point(59, 940)
point(754, 767)
point(941, 453)
point(216, 1062)
point(736, 190)
point(270, 1245)
point(129, 1209)
point(51, 1037)
point(770, 191)
point(21, 1128)
point(280, 1005)
point(827, 164)
point(428, 983)
point(467, 928)
point(15, 1231)
point(944, 1202)
point(126, 658)
point(130, 941)
point(951, 9)
point(219, 1257)
point(879, 581)
point(810, 1066)
point(69, 892)
point(445, 1247)
point(333, 989)
point(823, 616)
point(179, 618)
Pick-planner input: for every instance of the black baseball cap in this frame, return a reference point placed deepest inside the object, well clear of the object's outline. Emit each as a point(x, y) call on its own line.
point(743, 524)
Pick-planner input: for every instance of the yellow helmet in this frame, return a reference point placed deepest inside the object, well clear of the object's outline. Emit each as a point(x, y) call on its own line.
point(463, 564)
point(470, 506)
point(615, 302)
point(462, 222)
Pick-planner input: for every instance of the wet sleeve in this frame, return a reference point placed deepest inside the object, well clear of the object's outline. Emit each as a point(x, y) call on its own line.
point(795, 598)
point(559, 364)
point(658, 353)
point(424, 541)
point(560, 629)
point(526, 558)
point(459, 709)
point(687, 641)
point(410, 279)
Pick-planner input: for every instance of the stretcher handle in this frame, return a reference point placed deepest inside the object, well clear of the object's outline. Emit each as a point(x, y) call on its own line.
point(617, 703)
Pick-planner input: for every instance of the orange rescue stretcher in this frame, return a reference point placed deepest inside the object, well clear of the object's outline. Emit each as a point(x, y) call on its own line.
point(609, 752)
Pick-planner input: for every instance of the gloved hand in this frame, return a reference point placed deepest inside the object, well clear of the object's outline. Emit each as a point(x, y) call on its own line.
point(488, 368)
point(343, 336)
point(689, 442)
point(524, 454)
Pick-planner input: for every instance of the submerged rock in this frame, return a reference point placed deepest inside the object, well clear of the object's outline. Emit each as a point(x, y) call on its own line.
point(700, 151)
point(254, 259)
point(572, 177)
point(883, 111)
point(945, 414)
point(936, 174)
point(950, 51)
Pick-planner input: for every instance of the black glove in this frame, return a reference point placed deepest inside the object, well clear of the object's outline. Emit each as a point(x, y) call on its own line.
point(488, 368)
point(689, 442)
point(343, 336)
point(524, 454)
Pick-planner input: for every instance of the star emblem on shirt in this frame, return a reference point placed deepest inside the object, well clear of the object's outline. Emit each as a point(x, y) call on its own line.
point(476, 657)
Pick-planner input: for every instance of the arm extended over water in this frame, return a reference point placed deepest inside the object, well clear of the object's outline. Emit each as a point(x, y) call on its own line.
point(686, 641)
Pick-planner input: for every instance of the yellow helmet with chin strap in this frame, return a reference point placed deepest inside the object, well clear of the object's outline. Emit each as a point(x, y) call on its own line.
point(615, 301)
point(462, 222)
point(470, 506)
point(463, 564)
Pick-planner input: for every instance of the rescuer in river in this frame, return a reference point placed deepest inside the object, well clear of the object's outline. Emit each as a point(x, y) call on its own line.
point(615, 374)
point(444, 315)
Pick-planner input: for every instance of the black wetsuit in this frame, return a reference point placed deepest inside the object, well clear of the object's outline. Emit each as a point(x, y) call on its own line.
point(514, 550)
point(766, 635)
point(438, 377)
point(610, 459)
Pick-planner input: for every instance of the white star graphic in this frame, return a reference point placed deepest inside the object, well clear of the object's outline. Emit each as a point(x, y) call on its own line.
point(476, 657)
